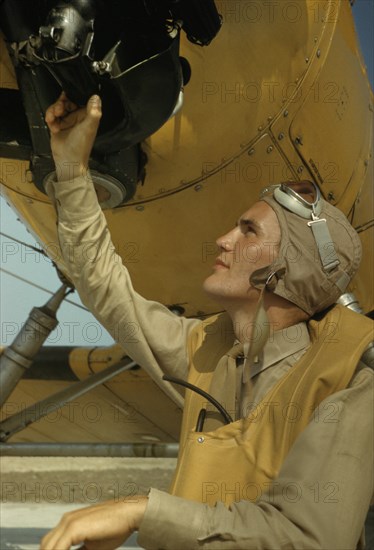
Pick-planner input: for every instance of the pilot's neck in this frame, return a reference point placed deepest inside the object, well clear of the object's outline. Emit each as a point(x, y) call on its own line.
point(280, 314)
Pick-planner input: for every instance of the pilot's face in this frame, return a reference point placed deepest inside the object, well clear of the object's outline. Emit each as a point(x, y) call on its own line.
point(252, 244)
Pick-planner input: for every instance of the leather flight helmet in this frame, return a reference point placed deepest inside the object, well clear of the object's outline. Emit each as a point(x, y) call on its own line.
point(319, 251)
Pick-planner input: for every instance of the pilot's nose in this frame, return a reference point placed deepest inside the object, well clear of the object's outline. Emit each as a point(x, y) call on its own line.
point(225, 242)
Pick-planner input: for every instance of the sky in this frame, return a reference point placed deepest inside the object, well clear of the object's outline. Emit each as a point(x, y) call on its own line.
point(76, 326)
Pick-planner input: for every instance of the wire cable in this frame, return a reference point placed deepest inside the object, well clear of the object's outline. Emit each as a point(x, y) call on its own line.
point(201, 392)
point(24, 244)
point(40, 287)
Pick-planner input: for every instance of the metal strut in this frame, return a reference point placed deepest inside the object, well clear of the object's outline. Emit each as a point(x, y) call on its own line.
point(21, 420)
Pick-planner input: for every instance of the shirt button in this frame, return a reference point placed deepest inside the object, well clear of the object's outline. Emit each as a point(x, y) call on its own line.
point(200, 440)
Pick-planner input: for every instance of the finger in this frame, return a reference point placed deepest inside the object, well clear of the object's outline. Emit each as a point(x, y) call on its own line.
point(70, 106)
point(47, 541)
point(61, 107)
point(50, 114)
point(93, 111)
point(71, 119)
point(52, 539)
point(53, 116)
point(68, 120)
point(59, 538)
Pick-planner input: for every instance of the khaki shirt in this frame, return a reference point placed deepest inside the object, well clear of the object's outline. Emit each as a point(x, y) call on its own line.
point(322, 494)
point(150, 334)
point(282, 350)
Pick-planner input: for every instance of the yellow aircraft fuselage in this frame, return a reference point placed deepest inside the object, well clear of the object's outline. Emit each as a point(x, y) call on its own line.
point(281, 93)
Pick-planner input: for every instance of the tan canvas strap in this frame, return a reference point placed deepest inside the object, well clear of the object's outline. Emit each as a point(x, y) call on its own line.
point(325, 245)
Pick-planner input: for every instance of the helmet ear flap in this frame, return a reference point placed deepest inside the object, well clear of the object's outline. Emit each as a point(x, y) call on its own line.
point(268, 276)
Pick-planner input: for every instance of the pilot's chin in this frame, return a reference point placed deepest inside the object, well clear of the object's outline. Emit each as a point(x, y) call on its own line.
point(212, 286)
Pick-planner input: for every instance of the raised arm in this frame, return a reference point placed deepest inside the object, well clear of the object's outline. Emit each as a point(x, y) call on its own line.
point(148, 331)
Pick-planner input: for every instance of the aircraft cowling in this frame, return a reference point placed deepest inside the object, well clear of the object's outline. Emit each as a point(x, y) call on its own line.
point(281, 93)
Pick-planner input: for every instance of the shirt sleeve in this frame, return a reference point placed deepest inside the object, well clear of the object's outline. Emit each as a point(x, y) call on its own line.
point(319, 500)
point(151, 335)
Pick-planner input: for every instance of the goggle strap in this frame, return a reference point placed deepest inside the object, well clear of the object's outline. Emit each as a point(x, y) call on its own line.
point(325, 245)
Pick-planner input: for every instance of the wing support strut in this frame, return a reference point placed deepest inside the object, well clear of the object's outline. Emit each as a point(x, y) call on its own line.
point(31, 414)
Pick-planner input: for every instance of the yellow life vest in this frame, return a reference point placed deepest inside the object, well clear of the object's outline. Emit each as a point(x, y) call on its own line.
point(238, 461)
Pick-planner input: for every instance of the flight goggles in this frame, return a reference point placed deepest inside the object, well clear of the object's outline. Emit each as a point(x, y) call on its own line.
point(294, 197)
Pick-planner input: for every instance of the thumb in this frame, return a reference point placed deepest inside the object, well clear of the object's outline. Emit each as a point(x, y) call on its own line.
point(93, 109)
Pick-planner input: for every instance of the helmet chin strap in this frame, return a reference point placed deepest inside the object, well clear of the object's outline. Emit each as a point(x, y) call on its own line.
point(261, 326)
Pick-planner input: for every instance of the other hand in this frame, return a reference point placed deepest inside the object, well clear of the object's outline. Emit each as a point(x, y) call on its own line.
point(73, 131)
point(104, 526)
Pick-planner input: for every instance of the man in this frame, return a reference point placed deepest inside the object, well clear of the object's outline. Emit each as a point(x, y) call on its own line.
point(286, 460)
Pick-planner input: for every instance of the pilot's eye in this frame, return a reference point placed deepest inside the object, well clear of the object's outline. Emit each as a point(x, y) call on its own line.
point(247, 229)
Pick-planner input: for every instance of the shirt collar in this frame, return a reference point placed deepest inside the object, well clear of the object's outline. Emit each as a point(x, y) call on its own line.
point(281, 344)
